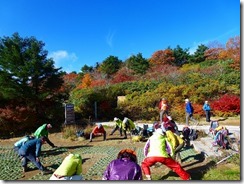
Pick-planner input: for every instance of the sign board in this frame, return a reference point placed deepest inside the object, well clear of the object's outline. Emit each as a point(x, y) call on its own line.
point(69, 114)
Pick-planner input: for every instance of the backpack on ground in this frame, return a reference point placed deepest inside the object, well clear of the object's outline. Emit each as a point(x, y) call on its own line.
point(186, 132)
point(221, 139)
point(213, 125)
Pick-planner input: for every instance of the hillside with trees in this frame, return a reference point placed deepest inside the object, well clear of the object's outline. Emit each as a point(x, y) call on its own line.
point(33, 91)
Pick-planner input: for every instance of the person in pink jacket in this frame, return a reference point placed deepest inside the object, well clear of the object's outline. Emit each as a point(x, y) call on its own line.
point(158, 149)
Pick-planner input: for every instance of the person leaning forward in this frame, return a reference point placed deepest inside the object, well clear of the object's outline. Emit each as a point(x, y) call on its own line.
point(42, 131)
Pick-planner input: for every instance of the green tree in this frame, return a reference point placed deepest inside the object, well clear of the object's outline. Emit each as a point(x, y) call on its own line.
point(181, 55)
point(198, 55)
point(138, 64)
point(110, 65)
point(29, 80)
point(86, 69)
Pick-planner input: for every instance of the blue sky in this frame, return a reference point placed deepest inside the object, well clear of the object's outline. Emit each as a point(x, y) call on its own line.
point(79, 32)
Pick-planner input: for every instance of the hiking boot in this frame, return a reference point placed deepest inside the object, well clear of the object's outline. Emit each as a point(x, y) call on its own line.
point(90, 141)
point(46, 172)
point(24, 168)
point(125, 137)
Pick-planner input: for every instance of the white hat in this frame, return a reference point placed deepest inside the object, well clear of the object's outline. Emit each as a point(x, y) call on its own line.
point(116, 119)
point(99, 125)
point(160, 131)
point(186, 100)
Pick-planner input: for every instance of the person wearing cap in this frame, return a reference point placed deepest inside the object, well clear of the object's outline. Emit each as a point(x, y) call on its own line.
point(158, 149)
point(163, 109)
point(70, 169)
point(189, 112)
point(169, 124)
point(43, 131)
point(207, 109)
point(125, 167)
point(97, 130)
point(118, 126)
point(128, 125)
point(31, 151)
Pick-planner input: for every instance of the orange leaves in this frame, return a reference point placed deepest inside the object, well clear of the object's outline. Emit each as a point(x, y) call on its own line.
point(162, 57)
point(86, 81)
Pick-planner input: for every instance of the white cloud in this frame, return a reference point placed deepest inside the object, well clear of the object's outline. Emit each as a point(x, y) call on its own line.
point(109, 38)
point(64, 59)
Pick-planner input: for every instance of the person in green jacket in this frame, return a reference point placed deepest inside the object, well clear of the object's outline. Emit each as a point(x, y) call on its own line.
point(70, 169)
point(129, 125)
point(42, 131)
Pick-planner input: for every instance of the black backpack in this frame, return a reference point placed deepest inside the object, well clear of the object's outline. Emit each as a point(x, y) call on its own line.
point(186, 133)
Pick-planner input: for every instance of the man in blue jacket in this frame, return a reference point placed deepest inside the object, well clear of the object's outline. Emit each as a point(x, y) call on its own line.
point(189, 112)
point(30, 151)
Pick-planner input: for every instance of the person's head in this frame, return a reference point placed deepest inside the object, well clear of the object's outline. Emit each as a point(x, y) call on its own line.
point(99, 125)
point(160, 131)
point(206, 102)
point(43, 139)
point(187, 100)
point(127, 153)
point(49, 126)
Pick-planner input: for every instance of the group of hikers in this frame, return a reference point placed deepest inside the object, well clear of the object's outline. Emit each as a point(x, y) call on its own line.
point(162, 146)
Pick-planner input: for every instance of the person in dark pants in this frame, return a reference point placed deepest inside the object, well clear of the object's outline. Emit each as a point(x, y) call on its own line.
point(207, 109)
point(118, 126)
point(43, 131)
point(30, 151)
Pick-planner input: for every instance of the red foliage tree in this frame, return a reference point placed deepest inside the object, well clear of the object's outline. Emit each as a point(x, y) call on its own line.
point(227, 103)
point(122, 76)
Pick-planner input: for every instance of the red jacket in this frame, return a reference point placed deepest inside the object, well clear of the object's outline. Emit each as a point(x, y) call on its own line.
point(97, 130)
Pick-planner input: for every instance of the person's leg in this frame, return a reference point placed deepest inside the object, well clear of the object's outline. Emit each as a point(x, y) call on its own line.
point(32, 158)
point(104, 135)
point(120, 131)
point(115, 128)
point(91, 134)
point(145, 166)
point(161, 116)
point(208, 116)
point(176, 167)
point(187, 119)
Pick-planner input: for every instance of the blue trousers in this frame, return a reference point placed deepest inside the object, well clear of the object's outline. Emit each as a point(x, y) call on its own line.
point(30, 156)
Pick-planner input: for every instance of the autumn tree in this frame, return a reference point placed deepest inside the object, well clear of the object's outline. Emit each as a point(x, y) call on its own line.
point(232, 51)
point(162, 57)
point(86, 81)
point(138, 64)
point(29, 83)
point(213, 51)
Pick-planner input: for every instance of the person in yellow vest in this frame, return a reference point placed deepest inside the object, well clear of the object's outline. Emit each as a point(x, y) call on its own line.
point(70, 169)
point(158, 149)
point(176, 141)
